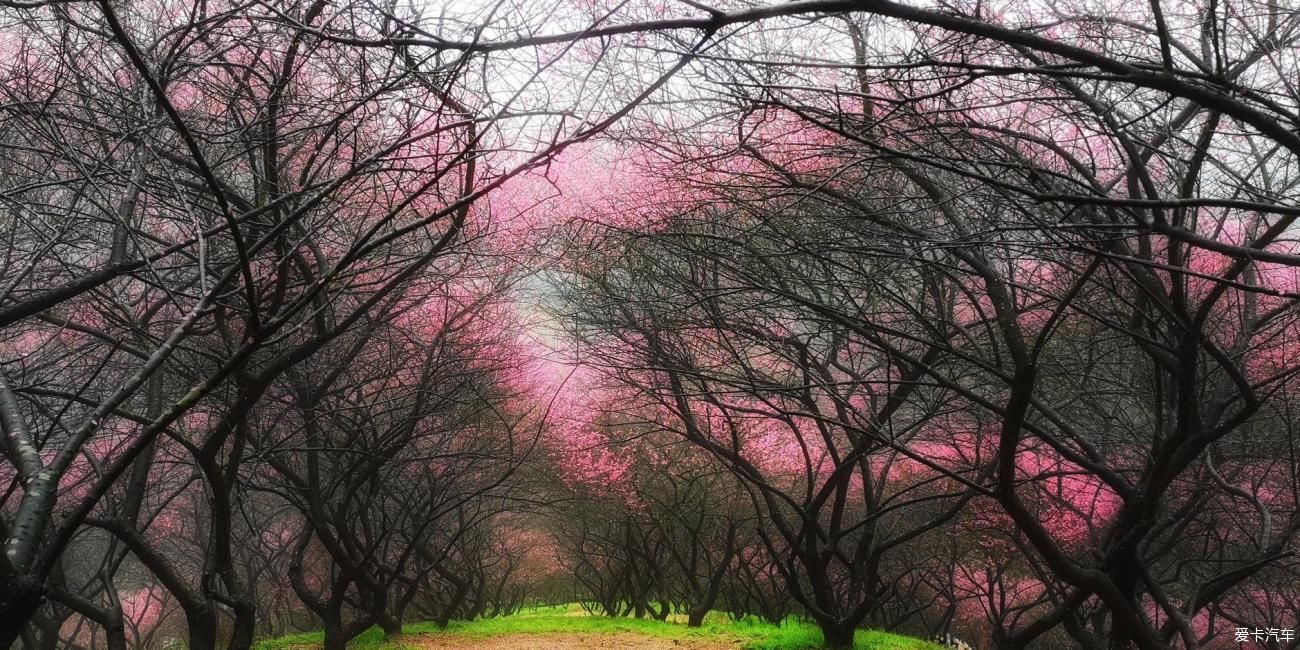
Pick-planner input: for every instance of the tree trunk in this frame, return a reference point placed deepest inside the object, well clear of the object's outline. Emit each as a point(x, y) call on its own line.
point(838, 635)
point(695, 618)
point(665, 608)
point(243, 631)
point(49, 629)
point(391, 626)
point(335, 638)
point(115, 636)
point(19, 597)
point(202, 624)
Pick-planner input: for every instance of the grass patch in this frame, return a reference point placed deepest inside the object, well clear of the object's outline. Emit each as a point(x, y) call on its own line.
point(747, 634)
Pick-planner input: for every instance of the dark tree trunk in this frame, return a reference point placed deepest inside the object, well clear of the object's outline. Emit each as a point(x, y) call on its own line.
point(661, 614)
point(49, 632)
point(115, 636)
point(838, 635)
point(1123, 634)
point(337, 633)
point(19, 598)
point(457, 599)
point(695, 618)
point(335, 638)
point(243, 631)
point(202, 623)
point(453, 606)
point(391, 626)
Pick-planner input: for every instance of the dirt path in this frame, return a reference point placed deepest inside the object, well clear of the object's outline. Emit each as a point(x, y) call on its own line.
point(562, 641)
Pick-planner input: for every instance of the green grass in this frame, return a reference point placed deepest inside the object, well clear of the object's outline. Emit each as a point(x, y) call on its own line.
point(748, 634)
